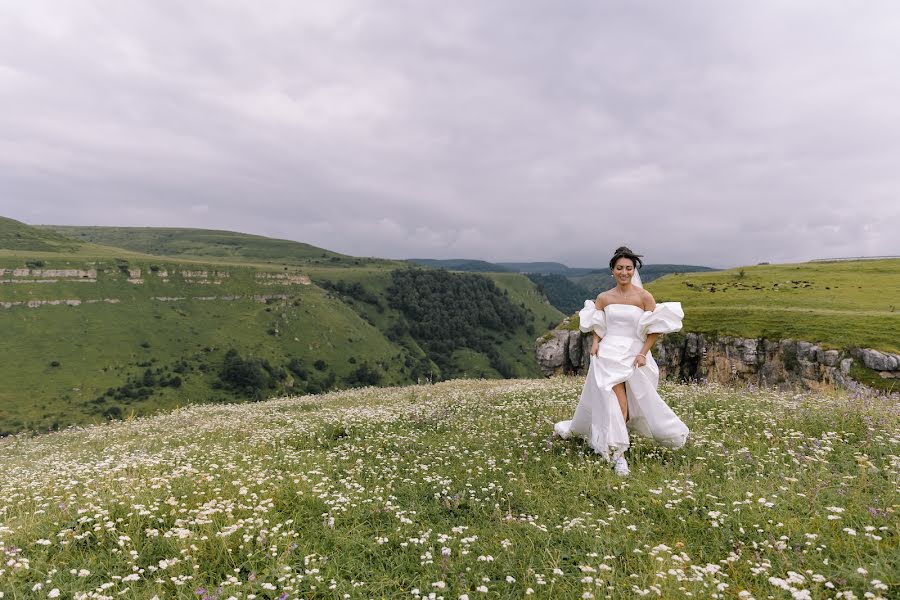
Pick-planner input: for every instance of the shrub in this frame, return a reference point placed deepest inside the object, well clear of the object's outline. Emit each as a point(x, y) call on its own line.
point(113, 412)
point(364, 375)
point(791, 362)
point(247, 376)
point(296, 367)
point(54, 363)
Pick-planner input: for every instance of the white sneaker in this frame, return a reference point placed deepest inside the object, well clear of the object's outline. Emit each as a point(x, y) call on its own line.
point(620, 466)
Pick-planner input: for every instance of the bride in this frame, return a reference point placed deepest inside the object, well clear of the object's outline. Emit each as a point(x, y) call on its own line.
point(619, 393)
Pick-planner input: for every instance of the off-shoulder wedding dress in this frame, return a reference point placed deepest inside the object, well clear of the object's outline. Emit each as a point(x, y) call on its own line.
point(598, 418)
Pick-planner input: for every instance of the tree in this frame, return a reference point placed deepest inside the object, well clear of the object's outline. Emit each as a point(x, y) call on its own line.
point(247, 376)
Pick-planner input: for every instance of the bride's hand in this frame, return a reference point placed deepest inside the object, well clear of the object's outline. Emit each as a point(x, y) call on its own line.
point(640, 360)
point(595, 348)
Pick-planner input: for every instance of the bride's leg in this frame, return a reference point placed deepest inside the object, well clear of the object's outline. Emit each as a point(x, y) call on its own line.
point(619, 390)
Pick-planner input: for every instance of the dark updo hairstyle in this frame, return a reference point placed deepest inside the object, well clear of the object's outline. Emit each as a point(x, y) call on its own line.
point(625, 252)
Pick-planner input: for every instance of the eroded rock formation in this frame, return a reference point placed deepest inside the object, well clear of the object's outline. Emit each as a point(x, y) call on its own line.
point(725, 359)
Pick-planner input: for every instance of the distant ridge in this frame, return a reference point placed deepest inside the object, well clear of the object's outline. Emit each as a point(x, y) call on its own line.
point(201, 244)
point(15, 235)
point(460, 264)
point(648, 272)
point(845, 258)
point(549, 268)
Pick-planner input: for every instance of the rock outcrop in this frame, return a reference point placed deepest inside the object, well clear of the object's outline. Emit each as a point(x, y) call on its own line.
point(888, 365)
point(725, 359)
point(561, 351)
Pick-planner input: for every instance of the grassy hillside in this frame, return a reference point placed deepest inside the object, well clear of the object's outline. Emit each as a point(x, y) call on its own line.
point(100, 332)
point(839, 304)
point(206, 244)
point(568, 297)
point(525, 292)
point(17, 236)
point(458, 489)
point(60, 360)
point(518, 348)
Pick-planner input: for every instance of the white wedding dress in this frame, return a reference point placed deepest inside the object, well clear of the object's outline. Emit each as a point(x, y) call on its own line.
point(598, 418)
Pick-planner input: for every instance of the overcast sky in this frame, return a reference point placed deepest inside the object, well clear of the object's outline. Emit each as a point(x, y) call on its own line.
point(713, 133)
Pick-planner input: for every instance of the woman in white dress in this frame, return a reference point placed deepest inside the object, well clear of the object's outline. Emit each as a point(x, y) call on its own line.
point(619, 393)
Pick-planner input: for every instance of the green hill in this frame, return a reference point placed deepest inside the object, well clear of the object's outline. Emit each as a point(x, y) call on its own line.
point(459, 264)
point(118, 337)
point(547, 268)
point(842, 304)
point(561, 292)
point(100, 332)
point(18, 236)
point(357, 287)
point(205, 244)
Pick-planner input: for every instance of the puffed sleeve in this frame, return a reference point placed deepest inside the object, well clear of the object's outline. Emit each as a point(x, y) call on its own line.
point(666, 318)
point(591, 319)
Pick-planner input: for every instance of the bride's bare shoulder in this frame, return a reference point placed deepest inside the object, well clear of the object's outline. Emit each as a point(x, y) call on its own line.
point(648, 300)
point(602, 300)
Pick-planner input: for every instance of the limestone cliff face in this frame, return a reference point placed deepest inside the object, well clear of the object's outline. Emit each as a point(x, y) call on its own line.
point(698, 357)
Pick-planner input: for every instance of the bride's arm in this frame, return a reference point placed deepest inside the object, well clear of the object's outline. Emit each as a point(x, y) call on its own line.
point(649, 305)
point(595, 344)
point(641, 359)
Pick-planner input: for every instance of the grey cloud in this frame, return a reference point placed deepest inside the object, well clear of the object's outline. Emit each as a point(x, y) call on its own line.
point(702, 132)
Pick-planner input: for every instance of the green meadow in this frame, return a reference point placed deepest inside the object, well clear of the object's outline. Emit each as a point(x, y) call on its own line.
point(457, 490)
point(842, 304)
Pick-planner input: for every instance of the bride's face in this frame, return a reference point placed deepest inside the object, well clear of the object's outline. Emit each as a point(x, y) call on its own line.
point(623, 271)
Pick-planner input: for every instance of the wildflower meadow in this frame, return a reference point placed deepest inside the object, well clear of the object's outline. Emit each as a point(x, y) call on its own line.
point(454, 491)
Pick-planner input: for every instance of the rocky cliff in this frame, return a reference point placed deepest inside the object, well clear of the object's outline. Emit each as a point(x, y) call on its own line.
point(698, 357)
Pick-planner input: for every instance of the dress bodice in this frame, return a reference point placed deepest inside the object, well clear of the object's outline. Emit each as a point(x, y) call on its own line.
point(625, 320)
point(622, 320)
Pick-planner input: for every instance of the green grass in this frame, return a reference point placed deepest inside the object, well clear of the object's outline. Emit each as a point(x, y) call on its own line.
point(378, 492)
point(871, 378)
point(525, 293)
point(837, 305)
point(17, 236)
point(474, 365)
point(98, 346)
point(206, 244)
